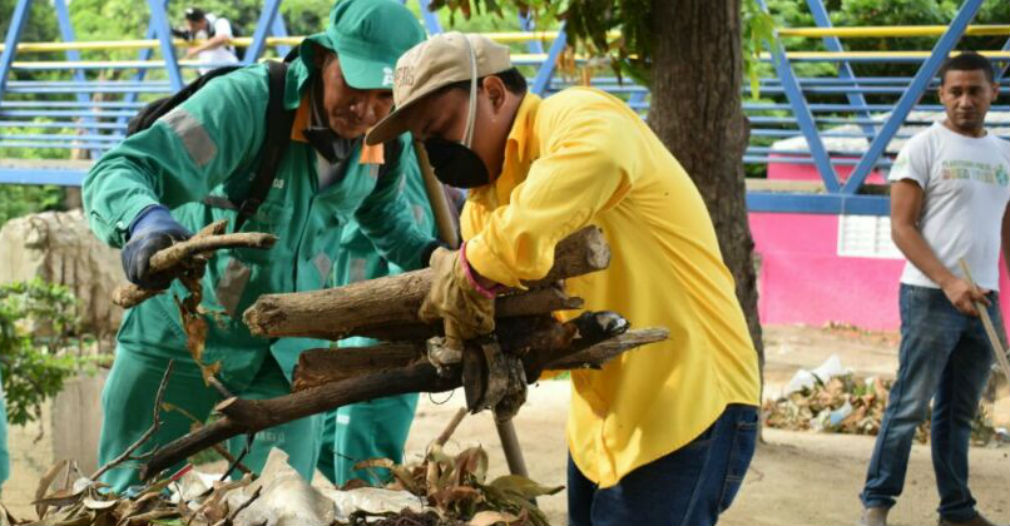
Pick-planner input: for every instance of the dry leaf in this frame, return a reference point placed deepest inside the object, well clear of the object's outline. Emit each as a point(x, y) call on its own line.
point(44, 484)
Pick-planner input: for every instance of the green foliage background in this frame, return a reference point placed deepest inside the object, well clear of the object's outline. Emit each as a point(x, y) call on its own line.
point(38, 332)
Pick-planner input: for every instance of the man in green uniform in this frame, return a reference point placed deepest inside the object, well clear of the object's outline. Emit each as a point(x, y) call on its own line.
point(376, 428)
point(208, 147)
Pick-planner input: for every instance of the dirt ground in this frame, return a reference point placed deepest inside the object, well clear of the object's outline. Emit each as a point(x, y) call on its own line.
point(795, 478)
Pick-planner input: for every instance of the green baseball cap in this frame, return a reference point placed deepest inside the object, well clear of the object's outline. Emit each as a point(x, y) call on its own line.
point(368, 36)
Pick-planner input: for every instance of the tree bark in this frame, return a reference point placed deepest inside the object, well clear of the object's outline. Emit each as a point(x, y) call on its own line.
point(696, 111)
point(377, 305)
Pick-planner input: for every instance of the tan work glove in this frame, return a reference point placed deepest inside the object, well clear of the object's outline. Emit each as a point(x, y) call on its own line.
point(466, 311)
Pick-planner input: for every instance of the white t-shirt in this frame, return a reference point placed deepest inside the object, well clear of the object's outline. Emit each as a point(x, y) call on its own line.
point(967, 187)
point(222, 54)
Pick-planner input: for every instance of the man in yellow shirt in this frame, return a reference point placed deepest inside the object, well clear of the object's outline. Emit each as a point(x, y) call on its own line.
point(661, 435)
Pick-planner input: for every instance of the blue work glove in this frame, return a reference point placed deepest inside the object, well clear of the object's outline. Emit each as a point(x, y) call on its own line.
point(152, 230)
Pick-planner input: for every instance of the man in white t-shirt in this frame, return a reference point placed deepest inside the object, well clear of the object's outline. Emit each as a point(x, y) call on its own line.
point(949, 194)
point(216, 33)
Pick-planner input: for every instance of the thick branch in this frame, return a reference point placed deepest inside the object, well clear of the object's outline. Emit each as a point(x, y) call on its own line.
point(415, 378)
point(321, 366)
point(531, 303)
point(597, 355)
point(395, 300)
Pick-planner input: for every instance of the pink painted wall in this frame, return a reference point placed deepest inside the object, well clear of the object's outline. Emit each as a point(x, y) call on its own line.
point(808, 172)
point(802, 278)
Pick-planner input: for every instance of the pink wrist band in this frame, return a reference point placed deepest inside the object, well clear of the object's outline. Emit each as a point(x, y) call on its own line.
point(468, 272)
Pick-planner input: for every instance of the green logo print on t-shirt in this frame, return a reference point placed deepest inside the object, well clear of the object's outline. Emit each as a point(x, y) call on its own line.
point(976, 171)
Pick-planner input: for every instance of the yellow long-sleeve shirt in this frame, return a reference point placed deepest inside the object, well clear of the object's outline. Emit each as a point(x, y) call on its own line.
point(582, 157)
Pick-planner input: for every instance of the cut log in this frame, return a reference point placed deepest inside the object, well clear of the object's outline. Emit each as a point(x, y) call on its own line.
point(375, 305)
point(532, 303)
point(322, 366)
point(245, 416)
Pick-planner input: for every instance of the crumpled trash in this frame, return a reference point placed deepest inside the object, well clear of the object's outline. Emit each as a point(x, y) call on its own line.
point(372, 501)
point(804, 379)
point(192, 485)
point(285, 498)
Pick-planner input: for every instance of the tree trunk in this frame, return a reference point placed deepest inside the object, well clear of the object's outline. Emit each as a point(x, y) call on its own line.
point(696, 111)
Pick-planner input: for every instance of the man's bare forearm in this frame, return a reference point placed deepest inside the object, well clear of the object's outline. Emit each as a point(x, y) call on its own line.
point(214, 43)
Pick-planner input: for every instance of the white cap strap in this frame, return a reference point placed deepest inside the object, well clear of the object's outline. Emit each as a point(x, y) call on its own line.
point(471, 112)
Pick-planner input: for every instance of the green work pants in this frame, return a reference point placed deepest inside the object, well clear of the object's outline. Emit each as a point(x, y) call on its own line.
point(128, 406)
point(373, 429)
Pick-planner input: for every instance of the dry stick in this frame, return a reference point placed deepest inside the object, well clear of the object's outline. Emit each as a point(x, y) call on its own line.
point(236, 461)
point(518, 336)
point(990, 329)
point(174, 260)
point(230, 519)
point(601, 353)
point(219, 387)
point(218, 448)
point(155, 424)
point(451, 428)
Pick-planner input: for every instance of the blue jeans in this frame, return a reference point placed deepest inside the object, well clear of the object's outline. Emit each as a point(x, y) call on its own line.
point(945, 356)
point(692, 485)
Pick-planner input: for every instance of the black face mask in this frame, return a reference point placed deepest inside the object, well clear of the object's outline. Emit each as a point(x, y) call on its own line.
point(330, 145)
point(455, 164)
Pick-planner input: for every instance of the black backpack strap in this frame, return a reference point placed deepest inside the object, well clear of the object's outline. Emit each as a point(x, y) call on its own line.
point(150, 113)
point(278, 136)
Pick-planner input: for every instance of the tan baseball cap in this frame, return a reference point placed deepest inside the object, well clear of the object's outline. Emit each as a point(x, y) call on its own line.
point(442, 60)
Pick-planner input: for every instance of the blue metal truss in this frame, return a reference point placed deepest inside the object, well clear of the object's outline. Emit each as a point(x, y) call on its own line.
point(67, 34)
point(163, 32)
point(832, 43)
point(804, 118)
point(266, 25)
point(18, 20)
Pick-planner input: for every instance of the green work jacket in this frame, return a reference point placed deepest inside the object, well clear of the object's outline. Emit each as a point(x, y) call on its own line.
point(209, 146)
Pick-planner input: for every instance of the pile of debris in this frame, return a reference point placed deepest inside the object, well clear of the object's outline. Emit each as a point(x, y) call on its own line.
point(440, 489)
point(842, 404)
point(834, 400)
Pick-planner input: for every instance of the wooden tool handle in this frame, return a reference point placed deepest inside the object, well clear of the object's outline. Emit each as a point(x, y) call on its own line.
point(445, 220)
point(990, 330)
